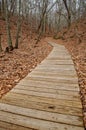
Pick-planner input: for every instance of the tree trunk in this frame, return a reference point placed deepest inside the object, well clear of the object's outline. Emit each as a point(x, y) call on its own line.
point(18, 26)
point(3, 6)
point(68, 11)
point(42, 21)
point(8, 27)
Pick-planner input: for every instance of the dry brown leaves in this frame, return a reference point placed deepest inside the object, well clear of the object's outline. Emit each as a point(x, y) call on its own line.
point(17, 64)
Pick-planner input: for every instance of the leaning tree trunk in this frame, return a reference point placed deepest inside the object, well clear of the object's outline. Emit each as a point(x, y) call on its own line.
point(18, 26)
point(8, 27)
point(41, 26)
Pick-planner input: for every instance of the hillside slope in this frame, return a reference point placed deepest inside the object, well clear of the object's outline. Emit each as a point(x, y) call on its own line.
point(74, 40)
point(76, 44)
point(16, 64)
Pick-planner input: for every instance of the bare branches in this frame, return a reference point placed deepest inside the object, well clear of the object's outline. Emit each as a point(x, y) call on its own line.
point(52, 6)
point(68, 11)
point(43, 16)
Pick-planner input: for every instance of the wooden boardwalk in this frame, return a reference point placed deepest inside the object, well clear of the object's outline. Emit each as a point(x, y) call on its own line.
point(46, 99)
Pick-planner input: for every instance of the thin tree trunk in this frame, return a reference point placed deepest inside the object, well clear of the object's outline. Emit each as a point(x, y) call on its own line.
point(41, 25)
point(8, 27)
point(3, 6)
point(68, 11)
point(18, 26)
point(12, 6)
point(0, 7)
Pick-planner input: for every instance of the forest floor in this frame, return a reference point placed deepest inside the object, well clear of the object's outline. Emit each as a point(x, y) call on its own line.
point(17, 64)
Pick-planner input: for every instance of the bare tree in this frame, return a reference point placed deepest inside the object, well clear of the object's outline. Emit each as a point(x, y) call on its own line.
point(68, 12)
point(42, 16)
point(44, 10)
point(10, 46)
point(3, 6)
point(18, 26)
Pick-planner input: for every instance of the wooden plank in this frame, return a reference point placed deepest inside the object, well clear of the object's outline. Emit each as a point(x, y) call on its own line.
point(57, 70)
point(61, 80)
point(46, 90)
point(27, 98)
point(57, 62)
point(54, 57)
point(44, 84)
point(48, 116)
point(46, 107)
point(70, 68)
point(59, 53)
point(35, 123)
point(47, 95)
point(58, 58)
point(10, 126)
point(52, 77)
point(55, 74)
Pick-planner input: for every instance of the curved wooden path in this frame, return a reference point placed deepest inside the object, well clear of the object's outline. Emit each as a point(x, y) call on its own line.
point(47, 99)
